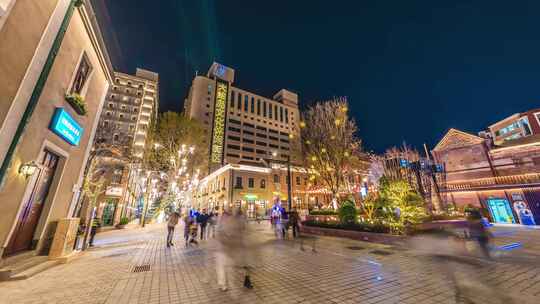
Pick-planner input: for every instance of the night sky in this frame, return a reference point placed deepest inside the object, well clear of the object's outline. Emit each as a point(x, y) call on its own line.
point(411, 69)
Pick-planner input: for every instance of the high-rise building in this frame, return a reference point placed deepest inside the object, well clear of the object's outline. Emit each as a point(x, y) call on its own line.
point(516, 126)
point(130, 106)
point(243, 127)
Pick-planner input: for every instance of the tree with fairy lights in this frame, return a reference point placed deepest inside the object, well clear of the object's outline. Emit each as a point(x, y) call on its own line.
point(330, 146)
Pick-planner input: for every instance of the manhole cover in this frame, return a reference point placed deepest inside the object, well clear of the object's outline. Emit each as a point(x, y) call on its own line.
point(141, 268)
point(355, 248)
point(381, 252)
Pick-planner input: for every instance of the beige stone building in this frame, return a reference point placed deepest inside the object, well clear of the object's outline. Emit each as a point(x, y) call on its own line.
point(55, 73)
point(131, 105)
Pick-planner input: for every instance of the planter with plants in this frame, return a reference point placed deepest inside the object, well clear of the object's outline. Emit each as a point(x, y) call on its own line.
point(77, 102)
point(123, 222)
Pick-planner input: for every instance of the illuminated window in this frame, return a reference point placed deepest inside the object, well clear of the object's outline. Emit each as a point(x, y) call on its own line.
point(263, 183)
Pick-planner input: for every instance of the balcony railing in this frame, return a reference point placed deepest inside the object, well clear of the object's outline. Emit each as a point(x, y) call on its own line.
point(527, 180)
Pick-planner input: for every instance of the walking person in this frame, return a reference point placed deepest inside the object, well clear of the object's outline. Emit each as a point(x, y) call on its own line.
point(96, 224)
point(294, 219)
point(202, 220)
point(189, 223)
point(171, 223)
point(212, 222)
point(284, 220)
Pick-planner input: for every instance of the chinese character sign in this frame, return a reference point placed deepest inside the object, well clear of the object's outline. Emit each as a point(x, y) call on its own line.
point(219, 123)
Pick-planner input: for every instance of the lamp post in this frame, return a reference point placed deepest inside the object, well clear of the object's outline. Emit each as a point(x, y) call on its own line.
point(289, 180)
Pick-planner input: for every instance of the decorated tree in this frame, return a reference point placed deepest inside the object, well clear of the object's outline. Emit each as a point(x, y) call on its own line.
point(330, 146)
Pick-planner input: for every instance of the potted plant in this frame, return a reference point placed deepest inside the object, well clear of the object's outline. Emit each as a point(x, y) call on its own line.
point(123, 222)
point(77, 102)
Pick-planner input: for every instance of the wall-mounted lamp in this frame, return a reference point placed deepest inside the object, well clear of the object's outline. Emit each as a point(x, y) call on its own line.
point(28, 169)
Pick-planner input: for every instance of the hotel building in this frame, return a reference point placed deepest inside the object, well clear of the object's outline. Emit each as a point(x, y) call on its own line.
point(131, 104)
point(251, 139)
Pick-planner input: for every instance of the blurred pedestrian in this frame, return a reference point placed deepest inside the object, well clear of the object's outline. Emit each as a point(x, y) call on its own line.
point(294, 220)
point(190, 230)
point(212, 222)
point(284, 221)
point(171, 223)
point(96, 224)
point(202, 220)
point(478, 232)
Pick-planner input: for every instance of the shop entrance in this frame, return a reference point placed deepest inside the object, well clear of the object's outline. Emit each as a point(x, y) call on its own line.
point(108, 213)
point(23, 234)
point(500, 211)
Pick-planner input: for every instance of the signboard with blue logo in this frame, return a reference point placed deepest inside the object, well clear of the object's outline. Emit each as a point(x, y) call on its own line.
point(66, 127)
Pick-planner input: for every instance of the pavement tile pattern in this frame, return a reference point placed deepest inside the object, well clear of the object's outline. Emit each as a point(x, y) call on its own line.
point(134, 266)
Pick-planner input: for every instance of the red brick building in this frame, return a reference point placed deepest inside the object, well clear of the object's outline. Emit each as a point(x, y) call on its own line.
point(502, 179)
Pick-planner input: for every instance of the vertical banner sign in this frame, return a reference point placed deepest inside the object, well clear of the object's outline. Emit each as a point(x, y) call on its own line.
point(218, 130)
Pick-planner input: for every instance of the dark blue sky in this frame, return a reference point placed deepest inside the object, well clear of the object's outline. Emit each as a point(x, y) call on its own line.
point(411, 69)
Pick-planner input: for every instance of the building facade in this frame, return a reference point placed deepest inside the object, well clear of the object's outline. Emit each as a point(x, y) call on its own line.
point(243, 127)
point(503, 180)
point(131, 105)
point(252, 141)
point(516, 126)
point(59, 74)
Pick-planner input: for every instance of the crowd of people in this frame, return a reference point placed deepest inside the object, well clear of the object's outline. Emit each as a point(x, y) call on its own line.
point(228, 230)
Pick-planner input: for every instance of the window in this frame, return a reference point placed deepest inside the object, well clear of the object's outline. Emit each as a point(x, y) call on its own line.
point(83, 72)
point(247, 149)
point(248, 141)
point(258, 107)
point(115, 137)
point(251, 182)
point(273, 131)
point(275, 112)
point(298, 181)
point(135, 110)
point(234, 121)
point(263, 183)
point(234, 129)
point(260, 143)
point(286, 116)
point(249, 125)
point(233, 155)
point(261, 135)
point(234, 147)
point(233, 138)
point(111, 105)
point(232, 99)
point(261, 128)
point(270, 111)
point(246, 101)
point(239, 101)
point(263, 152)
point(238, 182)
point(264, 108)
point(281, 114)
point(276, 178)
point(249, 132)
point(121, 115)
point(273, 146)
point(273, 138)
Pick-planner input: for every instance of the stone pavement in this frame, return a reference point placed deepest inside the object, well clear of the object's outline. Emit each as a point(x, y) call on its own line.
point(134, 266)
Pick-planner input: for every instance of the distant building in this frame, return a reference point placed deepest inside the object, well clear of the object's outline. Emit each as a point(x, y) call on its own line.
point(515, 126)
point(243, 127)
point(501, 179)
point(131, 104)
point(55, 75)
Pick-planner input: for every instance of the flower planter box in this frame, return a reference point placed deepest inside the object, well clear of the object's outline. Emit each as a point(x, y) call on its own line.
point(382, 238)
point(77, 103)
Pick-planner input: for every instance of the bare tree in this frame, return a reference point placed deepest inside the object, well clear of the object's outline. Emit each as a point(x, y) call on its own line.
point(329, 143)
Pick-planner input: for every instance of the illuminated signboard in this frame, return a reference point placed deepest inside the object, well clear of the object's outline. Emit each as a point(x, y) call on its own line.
point(218, 133)
point(66, 127)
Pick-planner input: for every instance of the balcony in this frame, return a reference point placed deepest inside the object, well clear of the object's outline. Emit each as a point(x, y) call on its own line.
point(499, 182)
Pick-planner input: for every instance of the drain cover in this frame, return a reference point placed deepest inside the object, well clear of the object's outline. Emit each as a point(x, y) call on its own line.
point(141, 268)
point(381, 252)
point(355, 248)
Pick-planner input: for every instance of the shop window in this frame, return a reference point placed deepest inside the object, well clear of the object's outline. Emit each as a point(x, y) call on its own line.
point(81, 77)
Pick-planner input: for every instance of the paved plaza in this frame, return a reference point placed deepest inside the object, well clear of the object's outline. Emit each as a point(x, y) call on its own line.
point(134, 266)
